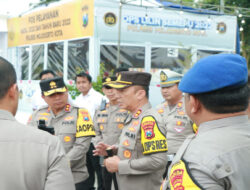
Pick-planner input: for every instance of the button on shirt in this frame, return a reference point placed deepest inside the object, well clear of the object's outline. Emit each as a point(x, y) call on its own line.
point(91, 101)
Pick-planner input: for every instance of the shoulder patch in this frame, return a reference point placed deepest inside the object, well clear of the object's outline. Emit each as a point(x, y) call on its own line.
point(180, 177)
point(84, 125)
point(152, 138)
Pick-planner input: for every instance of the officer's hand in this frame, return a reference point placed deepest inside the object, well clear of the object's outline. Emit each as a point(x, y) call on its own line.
point(112, 164)
point(100, 149)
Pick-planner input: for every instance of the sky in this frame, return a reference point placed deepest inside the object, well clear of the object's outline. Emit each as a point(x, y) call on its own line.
point(15, 7)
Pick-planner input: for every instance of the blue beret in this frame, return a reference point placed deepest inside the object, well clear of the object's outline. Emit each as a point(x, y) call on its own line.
point(215, 72)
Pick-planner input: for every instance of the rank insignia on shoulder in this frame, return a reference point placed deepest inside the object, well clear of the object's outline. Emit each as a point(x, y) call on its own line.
point(67, 108)
point(136, 115)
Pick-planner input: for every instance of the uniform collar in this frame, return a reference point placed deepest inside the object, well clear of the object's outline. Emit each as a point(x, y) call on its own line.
point(67, 108)
point(6, 115)
point(224, 122)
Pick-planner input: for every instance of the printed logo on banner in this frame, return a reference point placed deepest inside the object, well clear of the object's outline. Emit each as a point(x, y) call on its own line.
point(110, 19)
point(221, 27)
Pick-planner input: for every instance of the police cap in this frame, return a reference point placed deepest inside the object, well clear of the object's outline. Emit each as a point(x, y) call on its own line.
point(108, 80)
point(169, 78)
point(130, 78)
point(52, 85)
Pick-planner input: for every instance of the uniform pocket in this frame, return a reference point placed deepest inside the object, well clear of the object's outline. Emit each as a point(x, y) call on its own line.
point(67, 135)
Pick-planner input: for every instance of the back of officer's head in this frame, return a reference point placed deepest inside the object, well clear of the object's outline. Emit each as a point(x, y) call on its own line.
point(7, 76)
point(219, 82)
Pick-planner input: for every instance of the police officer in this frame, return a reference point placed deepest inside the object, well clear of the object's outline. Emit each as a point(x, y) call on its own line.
point(141, 154)
point(177, 123)
point(30, 159)
point(72, 125)
point(109, 122)
point(217, 99)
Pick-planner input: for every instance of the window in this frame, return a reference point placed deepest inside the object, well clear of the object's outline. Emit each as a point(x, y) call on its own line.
point(170, 58)
point(55, 58)
point(24, 51)
point(131, 57)
point(37, 61)
point(78, 59)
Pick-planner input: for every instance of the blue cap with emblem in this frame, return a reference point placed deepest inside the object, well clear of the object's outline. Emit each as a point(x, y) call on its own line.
point(215, 72)
point(169, 78)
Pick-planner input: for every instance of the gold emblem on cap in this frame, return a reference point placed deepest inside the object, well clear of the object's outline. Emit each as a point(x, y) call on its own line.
point(119, 77)
point(163, 76)
point(52, 84)
point(108, 79)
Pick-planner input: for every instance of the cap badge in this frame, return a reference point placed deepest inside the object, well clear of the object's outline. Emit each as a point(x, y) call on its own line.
point(163, 76)
point(52, 84)
point(108, 79)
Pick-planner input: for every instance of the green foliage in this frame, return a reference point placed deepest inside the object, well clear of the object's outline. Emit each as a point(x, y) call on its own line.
point(73, 91)
point(97, 85)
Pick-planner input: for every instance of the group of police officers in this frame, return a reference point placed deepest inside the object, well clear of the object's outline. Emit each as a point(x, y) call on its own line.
point(198, 138)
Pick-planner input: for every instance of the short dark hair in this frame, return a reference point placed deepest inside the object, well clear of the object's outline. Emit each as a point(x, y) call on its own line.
point(7, 76)
point(83, 74)
point(225, 100)
point(146, 89)
point(44, 72)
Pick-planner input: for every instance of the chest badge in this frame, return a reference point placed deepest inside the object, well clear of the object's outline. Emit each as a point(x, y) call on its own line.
point(127, 154)
point(126, 143)
point(120, 125)
point(67, 139)
point(101, 127)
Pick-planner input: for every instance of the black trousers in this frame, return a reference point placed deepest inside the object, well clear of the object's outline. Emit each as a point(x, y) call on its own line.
point(82, 185)
point(108, 178)
point(93, 165)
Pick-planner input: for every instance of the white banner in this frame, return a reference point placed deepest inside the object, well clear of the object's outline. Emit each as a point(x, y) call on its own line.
point(166, 27)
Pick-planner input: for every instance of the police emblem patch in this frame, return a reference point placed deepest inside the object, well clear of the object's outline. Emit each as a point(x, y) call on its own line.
point(120, 126)
point(126, 143)
point(148, 127)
